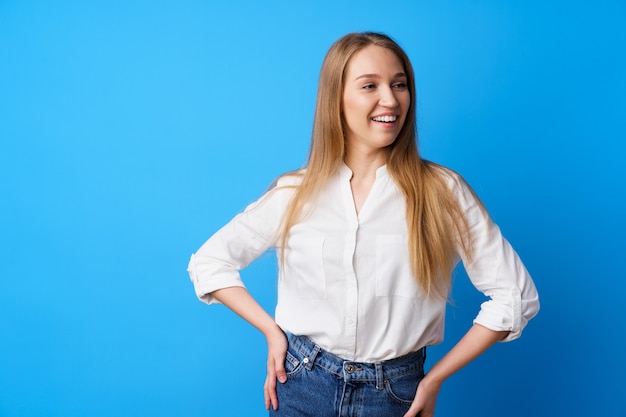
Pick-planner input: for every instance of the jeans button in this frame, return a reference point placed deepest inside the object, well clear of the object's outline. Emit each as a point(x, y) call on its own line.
point(349, 368)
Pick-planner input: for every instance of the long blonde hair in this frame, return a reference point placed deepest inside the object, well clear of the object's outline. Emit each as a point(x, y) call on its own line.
point(435, 223)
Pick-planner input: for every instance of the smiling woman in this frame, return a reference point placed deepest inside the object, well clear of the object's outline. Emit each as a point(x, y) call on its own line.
point(375, 102)
point(367, 236)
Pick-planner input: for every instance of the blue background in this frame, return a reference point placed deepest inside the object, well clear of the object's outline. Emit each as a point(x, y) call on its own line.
point(130, 131)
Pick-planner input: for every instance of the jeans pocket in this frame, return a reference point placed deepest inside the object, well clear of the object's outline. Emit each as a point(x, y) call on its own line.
point(402, 389)
point(293, 365)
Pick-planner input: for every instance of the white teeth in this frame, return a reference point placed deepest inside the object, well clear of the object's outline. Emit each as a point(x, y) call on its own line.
point(386, 119)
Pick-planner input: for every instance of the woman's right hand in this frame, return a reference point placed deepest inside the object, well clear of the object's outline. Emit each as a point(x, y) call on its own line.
point(276, 353)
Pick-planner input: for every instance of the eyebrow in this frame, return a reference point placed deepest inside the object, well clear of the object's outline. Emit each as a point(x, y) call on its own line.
point(398, 75)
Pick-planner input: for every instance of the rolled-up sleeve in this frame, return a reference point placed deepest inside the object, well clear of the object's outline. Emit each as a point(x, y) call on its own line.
point(218, 262)
point(496, 270)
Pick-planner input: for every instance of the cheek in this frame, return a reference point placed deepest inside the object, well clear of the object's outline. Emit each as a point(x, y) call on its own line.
point(406, 102)
point(350, 122)
point(405, 107)
point(352, 110)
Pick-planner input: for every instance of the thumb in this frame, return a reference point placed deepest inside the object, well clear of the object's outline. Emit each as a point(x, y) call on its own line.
point(280, 372)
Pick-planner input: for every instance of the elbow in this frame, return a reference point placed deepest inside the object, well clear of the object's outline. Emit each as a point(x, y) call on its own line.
point(531, 308)
point(191, 268)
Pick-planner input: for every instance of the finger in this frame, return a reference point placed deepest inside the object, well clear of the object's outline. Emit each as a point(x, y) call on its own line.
point(266, 395)
point(280, 372)
point(414, 411)
point(270, 383)
point(271, 398)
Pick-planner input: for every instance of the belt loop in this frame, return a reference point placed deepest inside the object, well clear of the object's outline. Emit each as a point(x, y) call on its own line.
point(380, 381)
point(311, 357)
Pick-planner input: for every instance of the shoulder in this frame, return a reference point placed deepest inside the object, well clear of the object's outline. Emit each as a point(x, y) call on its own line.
point(458, 186)
point(280, 190)
point(452, 178)
point(289, 179)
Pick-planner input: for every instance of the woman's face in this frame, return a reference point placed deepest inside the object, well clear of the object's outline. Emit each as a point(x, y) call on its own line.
point(376, 99)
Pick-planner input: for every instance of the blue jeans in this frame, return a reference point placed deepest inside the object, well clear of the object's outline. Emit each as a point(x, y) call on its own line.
point(320, 384)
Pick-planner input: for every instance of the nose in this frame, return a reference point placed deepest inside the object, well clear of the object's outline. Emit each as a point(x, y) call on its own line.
point(388, 98)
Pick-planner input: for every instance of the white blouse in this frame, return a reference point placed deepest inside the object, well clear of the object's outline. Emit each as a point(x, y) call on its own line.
point(346, 280)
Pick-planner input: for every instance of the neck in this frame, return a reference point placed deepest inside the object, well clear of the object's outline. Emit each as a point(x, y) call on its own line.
point(364, 165)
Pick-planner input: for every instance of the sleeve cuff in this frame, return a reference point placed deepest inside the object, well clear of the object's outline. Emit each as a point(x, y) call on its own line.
point(218, 281)
point(503, 315)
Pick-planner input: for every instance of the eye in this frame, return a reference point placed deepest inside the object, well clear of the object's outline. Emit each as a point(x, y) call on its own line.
point(369, 86)
point(399, 85)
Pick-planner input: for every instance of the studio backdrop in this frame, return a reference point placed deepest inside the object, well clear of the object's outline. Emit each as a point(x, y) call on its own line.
point(130, 131)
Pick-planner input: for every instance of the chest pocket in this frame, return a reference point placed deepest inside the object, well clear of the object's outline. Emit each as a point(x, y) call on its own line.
point(393, 270)
point(304, 267)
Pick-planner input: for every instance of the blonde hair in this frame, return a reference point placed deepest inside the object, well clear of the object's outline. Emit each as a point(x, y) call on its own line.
point(435, 222)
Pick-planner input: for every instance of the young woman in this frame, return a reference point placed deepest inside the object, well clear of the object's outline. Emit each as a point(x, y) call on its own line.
point(367, 236)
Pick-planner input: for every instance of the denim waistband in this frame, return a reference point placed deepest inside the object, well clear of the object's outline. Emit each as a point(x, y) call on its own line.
point(374, 372)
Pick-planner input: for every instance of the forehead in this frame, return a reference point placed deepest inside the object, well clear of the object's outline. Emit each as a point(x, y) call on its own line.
point(374, 59)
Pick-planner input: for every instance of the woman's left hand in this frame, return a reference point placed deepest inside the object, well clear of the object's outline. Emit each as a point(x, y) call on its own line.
point(425, 399)
point(475, 342)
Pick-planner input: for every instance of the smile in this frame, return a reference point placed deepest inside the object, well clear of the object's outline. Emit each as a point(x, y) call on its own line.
point(385, 119)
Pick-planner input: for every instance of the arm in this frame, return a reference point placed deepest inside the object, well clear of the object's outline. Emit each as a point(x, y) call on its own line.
point(214, 271)
point(497, 271)
point(241, 302)
point(218, 262)
point(477, 340)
